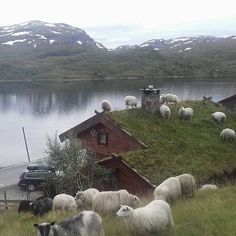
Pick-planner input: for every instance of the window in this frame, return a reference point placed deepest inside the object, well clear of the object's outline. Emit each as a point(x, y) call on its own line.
point(102, 139)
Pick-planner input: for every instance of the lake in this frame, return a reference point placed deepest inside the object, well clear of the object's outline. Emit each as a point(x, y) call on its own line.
point(44, 109)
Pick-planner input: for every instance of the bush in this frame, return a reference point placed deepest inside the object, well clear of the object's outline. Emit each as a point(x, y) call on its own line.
point(76, 167)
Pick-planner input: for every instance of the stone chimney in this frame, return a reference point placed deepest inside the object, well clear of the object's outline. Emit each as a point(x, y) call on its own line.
point(150, 99)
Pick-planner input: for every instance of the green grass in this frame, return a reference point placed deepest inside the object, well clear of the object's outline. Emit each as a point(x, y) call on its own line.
point(205, 214)
point(177, 146)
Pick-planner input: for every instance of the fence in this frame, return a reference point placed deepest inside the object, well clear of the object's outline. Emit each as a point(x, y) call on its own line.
point(30, 196)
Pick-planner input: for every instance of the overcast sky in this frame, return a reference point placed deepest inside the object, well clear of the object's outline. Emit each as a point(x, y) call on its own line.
point(119, 22)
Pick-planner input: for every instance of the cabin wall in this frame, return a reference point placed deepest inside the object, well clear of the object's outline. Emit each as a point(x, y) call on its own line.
point(117, 141)
point(127, 178)
point(231, 105)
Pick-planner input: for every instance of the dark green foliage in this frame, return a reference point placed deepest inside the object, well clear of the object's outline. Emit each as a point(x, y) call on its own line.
point(178, 146)
point(70, 62)
point(76, 167)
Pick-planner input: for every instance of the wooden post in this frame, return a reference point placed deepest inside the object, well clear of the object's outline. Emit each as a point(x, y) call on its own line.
point(28, 195)
point(5, 198)
point(26, 146)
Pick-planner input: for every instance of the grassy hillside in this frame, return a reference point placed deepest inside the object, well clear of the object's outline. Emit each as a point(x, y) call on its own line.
point(177, 146)
point(66, 63)
point(209, 213)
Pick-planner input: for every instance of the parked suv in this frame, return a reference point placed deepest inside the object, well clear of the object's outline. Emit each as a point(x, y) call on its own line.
point(35, 176)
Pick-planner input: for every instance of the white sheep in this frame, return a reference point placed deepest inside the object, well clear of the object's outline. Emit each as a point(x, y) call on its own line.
point(63, 202)
point(84, 198)
point(109, 201)
point(87, 223)
point(207, 187)
point(227, 134)
point(106, 105)
point(219, 117)
point(168, 98)
point(188, 184)
point(169, 190)
point(185, 113)
point(162, 98)
point(130, 101)
point(165, 111)
point(152, 219)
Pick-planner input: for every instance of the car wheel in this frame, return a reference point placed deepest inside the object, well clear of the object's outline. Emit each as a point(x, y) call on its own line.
point(31, 187)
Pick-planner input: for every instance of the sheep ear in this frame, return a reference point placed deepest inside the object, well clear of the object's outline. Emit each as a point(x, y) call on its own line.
point(52, 223)
point(36, 225)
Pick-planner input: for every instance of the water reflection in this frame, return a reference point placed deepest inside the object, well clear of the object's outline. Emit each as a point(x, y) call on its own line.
point(44, 108)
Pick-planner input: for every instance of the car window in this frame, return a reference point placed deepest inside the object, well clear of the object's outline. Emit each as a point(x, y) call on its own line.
point(39, 175)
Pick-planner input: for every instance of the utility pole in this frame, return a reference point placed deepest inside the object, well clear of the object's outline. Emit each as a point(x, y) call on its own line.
point(26, 146)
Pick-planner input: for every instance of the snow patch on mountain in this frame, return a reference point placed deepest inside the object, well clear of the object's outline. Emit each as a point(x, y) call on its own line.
point(49, 25)
point(41, 36)
point(187, 49)
point(99, 45)
point(20, 33)
point(55, 32)
point(15, 41)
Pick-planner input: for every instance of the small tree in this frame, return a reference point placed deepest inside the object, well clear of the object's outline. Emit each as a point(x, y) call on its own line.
point(77, 167)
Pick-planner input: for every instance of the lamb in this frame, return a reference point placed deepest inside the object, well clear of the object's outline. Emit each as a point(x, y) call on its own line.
point(64, 202)
point(185, 113)
point(106, 105)
point(152, 219)
point(87, 223)
point(206, 187)
point(168, 98)
point(41, 206)
point(188, 184)
point(109, 201)
point(219, 117)
point(227, 134)
point(169, 190)
point(130, 101)
point(84, 198)
point(165, 111)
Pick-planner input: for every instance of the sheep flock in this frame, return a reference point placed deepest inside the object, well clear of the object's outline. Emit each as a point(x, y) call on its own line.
point(153, 218)
point(185, 113)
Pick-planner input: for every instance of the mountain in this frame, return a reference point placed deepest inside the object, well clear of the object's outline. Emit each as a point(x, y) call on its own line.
point(39, 50)
point(38, 34)
point(179, 45)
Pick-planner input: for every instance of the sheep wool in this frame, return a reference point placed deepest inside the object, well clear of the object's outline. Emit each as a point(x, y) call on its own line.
point(168, 98)
point(188, 184)
point(130, 101)
point(152, 219)
point(169, 190)
point(207, 187)
point(165, 112)
point(63, 202)
point(185, 113)
point(227, 134)
point(109, 201)
point(85, 197)
point(106, 105)
point(219, 117)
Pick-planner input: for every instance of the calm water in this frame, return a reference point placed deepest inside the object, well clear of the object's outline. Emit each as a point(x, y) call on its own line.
point(46, 108)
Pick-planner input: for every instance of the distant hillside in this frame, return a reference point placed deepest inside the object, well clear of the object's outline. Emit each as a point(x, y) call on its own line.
point(39, 50)
point(178, 146)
